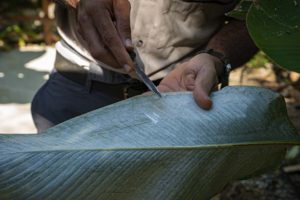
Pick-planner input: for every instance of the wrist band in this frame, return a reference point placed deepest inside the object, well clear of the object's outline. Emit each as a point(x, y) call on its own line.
point(224, 76)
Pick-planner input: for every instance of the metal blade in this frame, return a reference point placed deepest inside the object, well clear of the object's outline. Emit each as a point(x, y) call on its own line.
point(141, 74)
point(139, 66)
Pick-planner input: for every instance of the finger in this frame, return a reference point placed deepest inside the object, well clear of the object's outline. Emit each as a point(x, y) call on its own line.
point(147, 93)
point(173, 82)
point(203, 85)
point(111, 39)
point(122, 15)
point(189, 79)
point(163, 87)
point(93, 41)
point(170, 85)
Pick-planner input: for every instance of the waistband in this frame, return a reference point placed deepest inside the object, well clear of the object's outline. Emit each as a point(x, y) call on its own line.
point(84, 77)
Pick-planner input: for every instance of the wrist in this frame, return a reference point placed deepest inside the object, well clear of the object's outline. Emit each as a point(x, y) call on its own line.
point(222, 65)
point(218, 64)
point(210, 61)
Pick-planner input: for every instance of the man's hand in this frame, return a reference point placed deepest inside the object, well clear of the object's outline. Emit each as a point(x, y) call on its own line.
point(105, 27)
point(200, 75)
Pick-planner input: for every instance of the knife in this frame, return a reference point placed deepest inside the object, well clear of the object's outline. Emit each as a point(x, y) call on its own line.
point(141, 75)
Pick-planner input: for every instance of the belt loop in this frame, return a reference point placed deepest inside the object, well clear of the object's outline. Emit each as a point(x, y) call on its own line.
point(125, 91)
point(89, 82)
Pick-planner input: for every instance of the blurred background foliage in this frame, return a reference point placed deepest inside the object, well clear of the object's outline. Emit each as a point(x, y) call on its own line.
point(26, 22)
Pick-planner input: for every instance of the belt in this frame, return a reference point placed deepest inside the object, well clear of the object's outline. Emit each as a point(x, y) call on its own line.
point(79, 75)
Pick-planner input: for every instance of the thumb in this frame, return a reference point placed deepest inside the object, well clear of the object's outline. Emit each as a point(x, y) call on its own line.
point(201, 97)
point(203, 86)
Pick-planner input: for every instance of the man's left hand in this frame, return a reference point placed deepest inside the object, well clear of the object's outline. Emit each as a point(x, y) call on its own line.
point(199, 75)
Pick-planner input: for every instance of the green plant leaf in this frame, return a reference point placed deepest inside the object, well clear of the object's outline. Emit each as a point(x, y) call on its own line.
point(241, 10)
point(293, 153)
point(275, 28)
point(150, 148)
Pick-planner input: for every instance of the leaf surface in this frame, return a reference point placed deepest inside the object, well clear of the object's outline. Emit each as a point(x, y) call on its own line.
point(150, 148)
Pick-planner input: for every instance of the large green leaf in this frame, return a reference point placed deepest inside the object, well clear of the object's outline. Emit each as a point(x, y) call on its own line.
point(241, 10)
point(150, 148)
point(274, 25)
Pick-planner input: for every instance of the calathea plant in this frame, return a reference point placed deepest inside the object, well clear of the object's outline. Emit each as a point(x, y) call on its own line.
point(150, 148)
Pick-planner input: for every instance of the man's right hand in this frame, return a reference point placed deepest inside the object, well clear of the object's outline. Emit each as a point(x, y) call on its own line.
point(105, 27)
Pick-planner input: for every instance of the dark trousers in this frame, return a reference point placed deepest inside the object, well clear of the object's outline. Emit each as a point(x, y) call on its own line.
point(60, 99)
point(72, 91)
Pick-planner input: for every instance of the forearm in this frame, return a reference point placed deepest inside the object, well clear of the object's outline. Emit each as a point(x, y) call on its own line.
point(234, 42)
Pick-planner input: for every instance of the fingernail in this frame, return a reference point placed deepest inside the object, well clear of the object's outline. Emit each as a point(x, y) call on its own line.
point(128, 43)
point(127, 68)
point(208, 103)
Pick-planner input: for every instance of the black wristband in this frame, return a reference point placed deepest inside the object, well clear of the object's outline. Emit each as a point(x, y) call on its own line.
point(224, 76)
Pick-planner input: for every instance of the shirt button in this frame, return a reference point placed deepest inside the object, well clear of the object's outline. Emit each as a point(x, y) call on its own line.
point(139, 43)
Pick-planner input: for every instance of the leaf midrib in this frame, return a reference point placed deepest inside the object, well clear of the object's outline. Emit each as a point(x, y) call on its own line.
point(173, 148)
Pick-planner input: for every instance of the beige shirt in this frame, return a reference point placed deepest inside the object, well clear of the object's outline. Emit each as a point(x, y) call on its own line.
point(163, 32)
